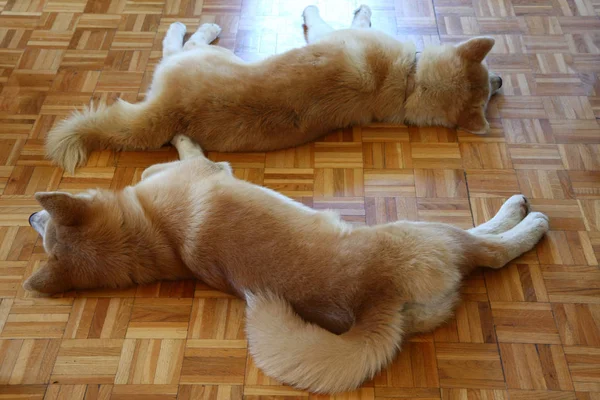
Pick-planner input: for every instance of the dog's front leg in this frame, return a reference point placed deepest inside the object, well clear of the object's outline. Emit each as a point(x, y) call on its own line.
point(188, 149)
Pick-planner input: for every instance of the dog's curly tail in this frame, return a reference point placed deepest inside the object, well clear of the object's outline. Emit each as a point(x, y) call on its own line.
point(120, 126)
point(307, 356)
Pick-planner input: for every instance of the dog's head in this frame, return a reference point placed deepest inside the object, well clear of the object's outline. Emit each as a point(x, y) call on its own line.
point(454, 86)
point(85, 241)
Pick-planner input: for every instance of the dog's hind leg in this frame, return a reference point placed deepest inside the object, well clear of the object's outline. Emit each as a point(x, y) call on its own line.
point(205, 35)
point(315, 27)
point(495, 251)
point(362, 17)
point(424, 317)
point(173, 41)
point(511, 213)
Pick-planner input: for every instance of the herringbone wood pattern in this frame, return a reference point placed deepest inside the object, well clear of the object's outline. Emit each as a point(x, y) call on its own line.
point(529, 331)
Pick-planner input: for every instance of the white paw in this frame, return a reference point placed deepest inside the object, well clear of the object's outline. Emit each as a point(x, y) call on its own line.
point(211, 31)
point(179, 139)
point(363, 11)
point(177, 28)
point(309, 12)
point(537, 224)
point(515, 208)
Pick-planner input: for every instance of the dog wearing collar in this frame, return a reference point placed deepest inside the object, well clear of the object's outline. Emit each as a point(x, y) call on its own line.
point(341, 78)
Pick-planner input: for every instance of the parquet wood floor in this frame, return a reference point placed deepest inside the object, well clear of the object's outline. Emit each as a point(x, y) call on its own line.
point(529, 331)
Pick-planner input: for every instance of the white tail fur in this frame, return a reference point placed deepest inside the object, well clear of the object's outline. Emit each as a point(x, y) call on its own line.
point(69, 143)
point(309, 357)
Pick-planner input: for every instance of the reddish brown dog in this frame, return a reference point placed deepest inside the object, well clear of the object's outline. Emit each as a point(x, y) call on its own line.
point(328, 303)
point(342, 78)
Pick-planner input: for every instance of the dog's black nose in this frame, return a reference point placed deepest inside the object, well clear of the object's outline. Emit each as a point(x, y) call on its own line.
point(500, 85)
point(31, 216)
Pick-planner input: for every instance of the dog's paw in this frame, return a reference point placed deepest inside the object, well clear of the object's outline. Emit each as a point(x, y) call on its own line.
point(309, 12)
point(211, 31)
point(515, 208)
point(180, 139)
point(177, 28)
point(363, 11)
point(537, 224)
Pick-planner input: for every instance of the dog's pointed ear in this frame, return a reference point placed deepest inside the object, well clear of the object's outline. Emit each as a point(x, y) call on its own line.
point(476, 49)
point(49, 278)
point(64, 208)
point(474, 122)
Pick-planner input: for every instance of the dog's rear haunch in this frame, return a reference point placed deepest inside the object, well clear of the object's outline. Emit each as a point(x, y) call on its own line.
point(328, 303)
point(341, 78)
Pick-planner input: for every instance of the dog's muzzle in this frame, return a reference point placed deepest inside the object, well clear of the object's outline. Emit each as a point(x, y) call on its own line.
point(500, 84)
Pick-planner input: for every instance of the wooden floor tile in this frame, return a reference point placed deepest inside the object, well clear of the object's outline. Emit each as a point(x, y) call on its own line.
point(522, 322)
point(87, 360)
point(580, 156)
point(387, 183)
point(572, 284)
point(290, 181)
point(575, 131)
point(99, 318)
point(436, 155)
point(379, 210)
point(486, 156)
point(298, 157)
point(583, 363)
point(468, 365)
point(474, 323)
point(535, 366)
point(159, 318)
point(535, 156)
point(338, 182)
point(474, 394)
point(585, 184)
point(565, 215)
point(517, 282)
point(544, 184)
point(338, 155)
point(217, 319)
point(528, 131)
point(28, 361)
point(492, 183)
point(33, 392)
point(543, 394)
point(440, 183)
point(141, 392)
point(566, 247)
point(214, 363)
point(212, 392)
point(578, 324)
point(379, 155)
point(75, 392)
point(451, 211)
point(37, 318)
point(150, 361)
point(416, 367)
